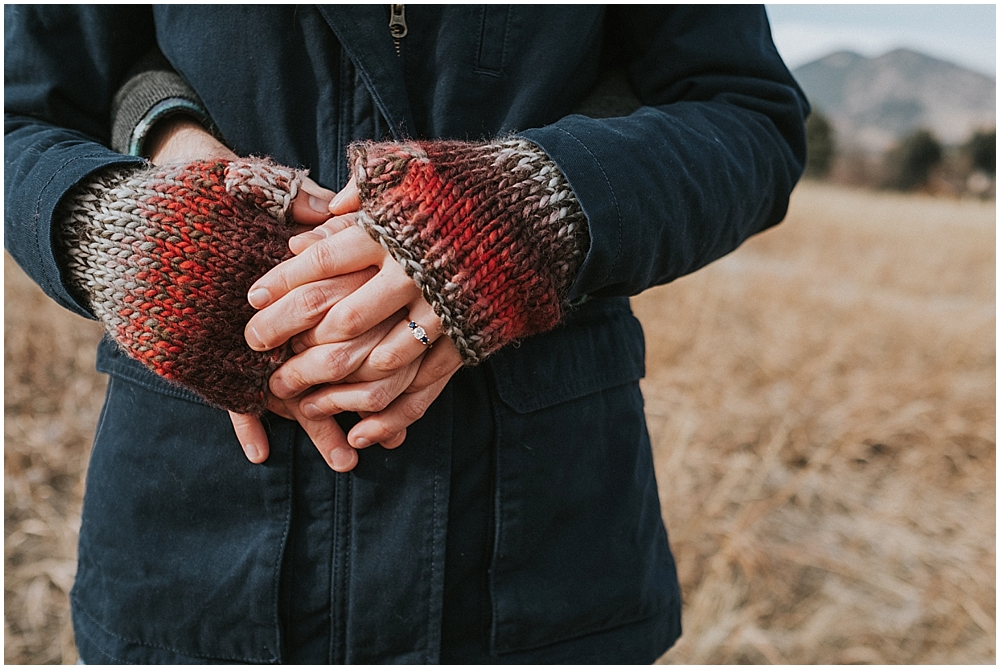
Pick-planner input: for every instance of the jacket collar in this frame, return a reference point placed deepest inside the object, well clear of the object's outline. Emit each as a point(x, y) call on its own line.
point(363, 31)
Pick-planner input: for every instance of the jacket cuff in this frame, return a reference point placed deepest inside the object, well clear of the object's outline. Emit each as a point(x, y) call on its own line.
point(492, 233)
point(146, 98)
point(66, 164)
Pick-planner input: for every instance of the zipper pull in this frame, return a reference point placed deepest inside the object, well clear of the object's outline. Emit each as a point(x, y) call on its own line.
point(397, 24)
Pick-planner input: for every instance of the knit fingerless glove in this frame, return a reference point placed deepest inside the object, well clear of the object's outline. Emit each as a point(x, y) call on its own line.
point(491, 233)
point(165, 256)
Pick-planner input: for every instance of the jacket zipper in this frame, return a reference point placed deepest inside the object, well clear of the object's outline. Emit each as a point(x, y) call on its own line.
point(397, 24)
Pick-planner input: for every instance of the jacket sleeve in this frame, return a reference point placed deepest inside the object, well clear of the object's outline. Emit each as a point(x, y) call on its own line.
point(62, 66)
point(708, 160)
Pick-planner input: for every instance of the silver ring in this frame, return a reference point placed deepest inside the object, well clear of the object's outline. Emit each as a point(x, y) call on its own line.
point(419, 334)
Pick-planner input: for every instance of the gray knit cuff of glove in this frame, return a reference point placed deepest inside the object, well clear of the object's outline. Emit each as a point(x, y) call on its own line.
point(152, 93)
point(165, 257)
point(492, 233)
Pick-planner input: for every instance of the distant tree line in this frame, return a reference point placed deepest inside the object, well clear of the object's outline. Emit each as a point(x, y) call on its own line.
point(919, 161)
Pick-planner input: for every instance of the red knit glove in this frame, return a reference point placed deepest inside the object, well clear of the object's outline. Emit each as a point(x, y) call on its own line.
point(491, 233)
point(165, 256)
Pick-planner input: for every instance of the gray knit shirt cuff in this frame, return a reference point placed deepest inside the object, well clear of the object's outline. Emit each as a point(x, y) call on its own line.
point(146, 98)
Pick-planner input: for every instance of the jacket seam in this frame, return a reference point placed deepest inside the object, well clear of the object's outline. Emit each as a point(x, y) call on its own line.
point(614, 200)
point(428, 654)
point(165, 388)
point(586, 631)
point(281, 552)
point(586, 388)
point(85, 612)
point(479, 68)
point(97, 646)
point(498, 528)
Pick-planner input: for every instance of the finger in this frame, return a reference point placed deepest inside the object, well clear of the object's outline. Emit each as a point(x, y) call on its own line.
point(370, 396)
point(385, 426)
point(328, 438)
point(347, 200)
point(251, 435)
point(274, 405)
point(347, 251)
point(312, 204)
point(325, 363)
point(401, 346)
point(301, 309)
point(442, 361)
point(303, 240)
point(386, 293)
point(395, 441)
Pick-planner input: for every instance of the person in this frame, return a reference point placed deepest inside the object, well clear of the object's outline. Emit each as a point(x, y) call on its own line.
point(511, 512)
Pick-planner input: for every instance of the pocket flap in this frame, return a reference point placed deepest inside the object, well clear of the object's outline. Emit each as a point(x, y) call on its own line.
point(600, 346)
point(111, 360)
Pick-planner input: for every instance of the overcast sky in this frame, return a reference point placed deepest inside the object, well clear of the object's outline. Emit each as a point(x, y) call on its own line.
point(962, 34)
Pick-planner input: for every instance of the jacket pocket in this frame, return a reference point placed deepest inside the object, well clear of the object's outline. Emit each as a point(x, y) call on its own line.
point(599, 346)
point(181, 537)
point(112, 361)
point(492, 39)
point(579, 543)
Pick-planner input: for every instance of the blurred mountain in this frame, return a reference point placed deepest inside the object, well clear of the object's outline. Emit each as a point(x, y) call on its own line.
point(872, 102)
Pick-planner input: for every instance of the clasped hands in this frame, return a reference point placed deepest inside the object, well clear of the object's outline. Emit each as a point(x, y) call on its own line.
point(344, 303)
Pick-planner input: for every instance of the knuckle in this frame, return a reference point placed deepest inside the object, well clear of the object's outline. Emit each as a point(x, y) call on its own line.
point(291, 377)
point(310, 301)
point(326, 406)
point(264, 331)
point(441, 368)
point(336, 362)
point(304, 341)
point(377, 399)
point(323, 257)
point(414, 408)
point(434, 372)
point(391, 440)
point(386, 359)
point(350, 321)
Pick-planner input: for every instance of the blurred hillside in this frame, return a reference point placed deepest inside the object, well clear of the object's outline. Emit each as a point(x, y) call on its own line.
point(874, 102)
point(902, 121)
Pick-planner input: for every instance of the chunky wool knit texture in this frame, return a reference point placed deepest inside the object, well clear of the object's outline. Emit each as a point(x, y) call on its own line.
point(491, 233)
point(165, 256)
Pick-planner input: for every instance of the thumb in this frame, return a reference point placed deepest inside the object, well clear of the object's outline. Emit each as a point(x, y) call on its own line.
point(347, 200)
point(312, 205)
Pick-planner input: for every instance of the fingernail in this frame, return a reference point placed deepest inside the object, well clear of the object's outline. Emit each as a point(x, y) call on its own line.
point(312, 412)
point(306, 238)
point(254, 340)
point(341, 460)
point(337, 199)
point(280, 388)
point(319, 205)
point(259, 297)
point(251, 451)
point(361, 442)
point(298, 346)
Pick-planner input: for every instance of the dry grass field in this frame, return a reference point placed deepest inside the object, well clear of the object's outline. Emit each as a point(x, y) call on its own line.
point(822, 410)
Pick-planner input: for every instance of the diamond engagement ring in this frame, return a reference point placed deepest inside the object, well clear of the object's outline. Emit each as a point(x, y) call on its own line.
point(419, 334)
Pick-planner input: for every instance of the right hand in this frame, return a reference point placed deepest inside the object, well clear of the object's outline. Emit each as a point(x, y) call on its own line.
point(181, 140)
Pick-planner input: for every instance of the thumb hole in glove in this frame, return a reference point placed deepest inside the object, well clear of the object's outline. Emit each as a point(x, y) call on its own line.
point(264, 184)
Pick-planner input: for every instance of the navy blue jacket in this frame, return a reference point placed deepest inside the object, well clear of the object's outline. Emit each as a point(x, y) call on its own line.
point(185, 548)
